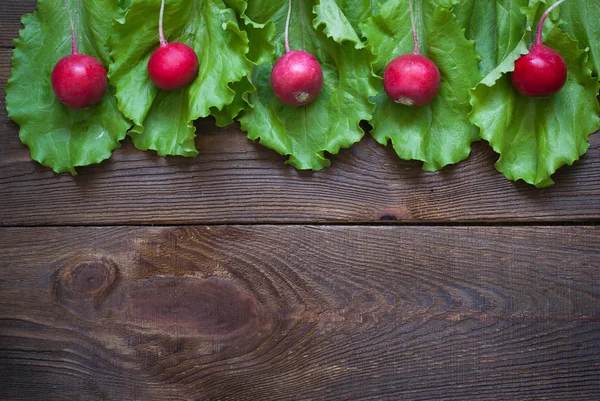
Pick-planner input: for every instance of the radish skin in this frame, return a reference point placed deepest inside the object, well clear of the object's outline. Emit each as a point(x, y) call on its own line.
point(412, 79)
point(541, 72)
point(79, 81)
point(173, 65)
point(297, 76)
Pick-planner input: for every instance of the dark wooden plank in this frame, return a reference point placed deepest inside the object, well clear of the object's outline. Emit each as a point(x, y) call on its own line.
point(10, 19)
point(236, 181)
point(299, 313)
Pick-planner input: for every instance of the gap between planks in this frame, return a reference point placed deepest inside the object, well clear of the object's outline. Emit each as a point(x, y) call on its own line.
point(383, 223)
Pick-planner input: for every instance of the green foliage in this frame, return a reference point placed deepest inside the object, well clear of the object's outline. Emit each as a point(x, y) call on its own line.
point(164, 120)
point(535, 137)
point(332, 121)
point(59, 137)
point(439, 133)
point(581, 20)
point(490, 23)
point(474, 43)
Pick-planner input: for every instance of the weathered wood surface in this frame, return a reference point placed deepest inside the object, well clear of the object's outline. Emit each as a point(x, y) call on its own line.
point(300, 313)
point(10, 19)
point(276, 312)
point(236, 181)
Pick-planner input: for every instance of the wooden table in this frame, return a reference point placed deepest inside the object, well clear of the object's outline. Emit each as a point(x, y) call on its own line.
point(234, 277)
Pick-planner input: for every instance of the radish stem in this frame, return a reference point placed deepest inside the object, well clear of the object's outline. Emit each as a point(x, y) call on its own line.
point(161, 33)
point(414, 27)
point(73, 40)
point(538, 39)
point(287, 28)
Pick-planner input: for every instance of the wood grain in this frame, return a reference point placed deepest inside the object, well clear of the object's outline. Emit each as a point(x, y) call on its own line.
point(276, 312)
point(10, 19)
point(236, 181)
point(300, 313)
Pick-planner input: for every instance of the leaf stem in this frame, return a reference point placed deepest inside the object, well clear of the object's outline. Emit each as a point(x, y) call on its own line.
point(414, 28)
point(287, 28)
point(74, 49)
point(538, 39)
point(161, 32)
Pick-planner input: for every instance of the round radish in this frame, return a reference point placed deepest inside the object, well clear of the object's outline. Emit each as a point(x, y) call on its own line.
point(542, 72)
point(297, 77)
point(79, 81)
point(173, 65)
point(412, 79)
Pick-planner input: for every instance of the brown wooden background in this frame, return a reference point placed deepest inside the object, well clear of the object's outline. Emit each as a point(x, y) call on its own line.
point(234, 277)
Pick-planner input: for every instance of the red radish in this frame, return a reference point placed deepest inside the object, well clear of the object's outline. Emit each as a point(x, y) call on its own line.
point(173, 65)
point(297, 77)
point(542, 72)
point(412, 79)
point(79, 81)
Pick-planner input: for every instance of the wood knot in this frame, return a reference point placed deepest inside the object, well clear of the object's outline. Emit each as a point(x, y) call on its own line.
point(90, 279)
point(396, 213)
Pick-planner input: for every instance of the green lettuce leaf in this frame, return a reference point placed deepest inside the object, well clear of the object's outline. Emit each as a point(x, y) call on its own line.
point(332, 121)
point(164, 120)
point(490, 23)
point(241, 102)
point(440, 133)
point(535, 137)
point(57, 136)
point(327, 11)
point(356, 11)
point(581, 20)
point(261, 51)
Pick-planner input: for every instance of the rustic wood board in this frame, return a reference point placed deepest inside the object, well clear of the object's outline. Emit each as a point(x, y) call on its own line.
point(236, 181)
point(10, 19)
point(300, 313)
point(91, 310)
